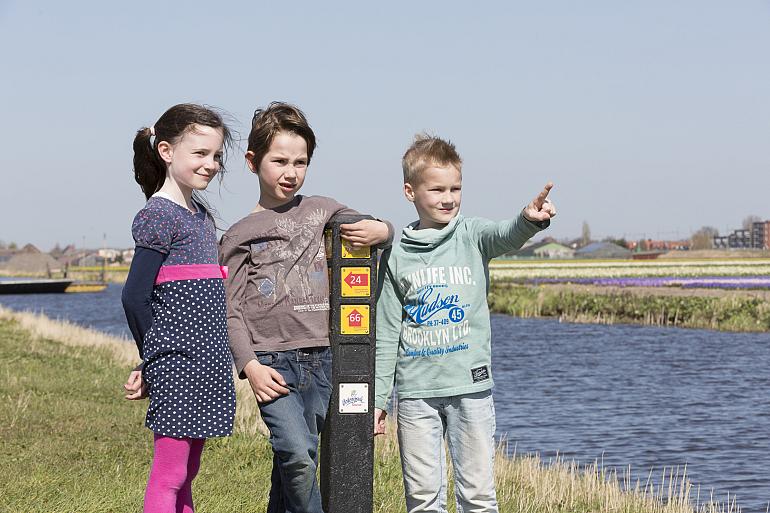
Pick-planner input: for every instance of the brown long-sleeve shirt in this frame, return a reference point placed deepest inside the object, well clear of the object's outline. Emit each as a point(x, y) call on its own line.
point(278, 289)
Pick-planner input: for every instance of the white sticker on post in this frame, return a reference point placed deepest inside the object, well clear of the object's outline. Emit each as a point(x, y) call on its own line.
point(354, 398)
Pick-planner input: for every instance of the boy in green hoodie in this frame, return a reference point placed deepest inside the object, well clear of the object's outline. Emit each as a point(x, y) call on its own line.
point(433, 331)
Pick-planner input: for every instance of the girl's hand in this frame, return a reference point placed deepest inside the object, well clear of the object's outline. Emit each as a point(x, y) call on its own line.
point(135, 386)
point(541, 208)
point(266, 382)
point(367, 232)
point(379, 421)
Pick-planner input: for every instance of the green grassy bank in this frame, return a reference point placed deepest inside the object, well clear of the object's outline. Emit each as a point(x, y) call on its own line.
point(71, 443)
point(719, 310)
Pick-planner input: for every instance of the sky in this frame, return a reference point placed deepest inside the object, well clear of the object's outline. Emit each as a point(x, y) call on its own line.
point(651, 117)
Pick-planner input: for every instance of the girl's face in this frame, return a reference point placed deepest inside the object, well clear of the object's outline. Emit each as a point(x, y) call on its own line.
point(282, 170)
point(195, 159)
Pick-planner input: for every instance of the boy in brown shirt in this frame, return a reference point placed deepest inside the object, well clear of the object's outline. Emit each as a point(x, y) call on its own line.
point(278, 300)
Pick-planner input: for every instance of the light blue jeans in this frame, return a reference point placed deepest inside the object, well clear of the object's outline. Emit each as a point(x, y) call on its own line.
point(295, 421)
point(468, 424)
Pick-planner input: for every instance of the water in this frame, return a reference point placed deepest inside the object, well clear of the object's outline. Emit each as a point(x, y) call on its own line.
point(640, 396)
point(101, 311)
point(622, 395)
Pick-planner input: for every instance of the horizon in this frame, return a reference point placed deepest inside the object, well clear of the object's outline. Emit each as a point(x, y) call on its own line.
point(566, 241)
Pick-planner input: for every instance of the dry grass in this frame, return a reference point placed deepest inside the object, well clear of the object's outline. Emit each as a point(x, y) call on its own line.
point(70, 334)
point(530, 485)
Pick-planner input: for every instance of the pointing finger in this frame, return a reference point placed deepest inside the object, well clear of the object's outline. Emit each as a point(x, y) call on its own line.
point(544, 194)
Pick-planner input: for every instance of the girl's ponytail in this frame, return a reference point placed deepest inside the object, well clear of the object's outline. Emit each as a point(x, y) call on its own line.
point(149, 168)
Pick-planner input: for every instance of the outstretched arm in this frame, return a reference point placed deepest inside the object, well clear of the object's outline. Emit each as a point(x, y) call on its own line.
point(498, 238)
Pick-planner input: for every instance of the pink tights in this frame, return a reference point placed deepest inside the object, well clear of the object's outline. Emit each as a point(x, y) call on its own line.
point(174, 466)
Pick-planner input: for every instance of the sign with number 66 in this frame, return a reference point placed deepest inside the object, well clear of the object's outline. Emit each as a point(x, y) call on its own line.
point(354, 319)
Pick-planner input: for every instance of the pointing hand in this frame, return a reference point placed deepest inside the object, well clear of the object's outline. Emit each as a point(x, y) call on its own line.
point(541, 208)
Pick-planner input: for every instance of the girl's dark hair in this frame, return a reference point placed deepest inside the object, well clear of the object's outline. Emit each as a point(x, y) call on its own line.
point(278, 117)
point(149, 168)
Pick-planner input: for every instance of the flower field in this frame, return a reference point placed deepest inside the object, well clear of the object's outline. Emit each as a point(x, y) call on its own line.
point(724, 274)
point(722, 294)
point(705, 282)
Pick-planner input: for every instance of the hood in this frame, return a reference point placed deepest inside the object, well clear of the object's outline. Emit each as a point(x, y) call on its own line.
point(413, 240)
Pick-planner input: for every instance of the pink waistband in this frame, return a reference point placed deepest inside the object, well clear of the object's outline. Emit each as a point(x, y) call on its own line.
point(190, 272)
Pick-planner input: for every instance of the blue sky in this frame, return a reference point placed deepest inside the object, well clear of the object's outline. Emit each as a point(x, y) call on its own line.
point(651, 117)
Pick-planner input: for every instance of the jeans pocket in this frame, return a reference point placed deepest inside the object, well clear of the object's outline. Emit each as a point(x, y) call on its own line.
point(266, 357)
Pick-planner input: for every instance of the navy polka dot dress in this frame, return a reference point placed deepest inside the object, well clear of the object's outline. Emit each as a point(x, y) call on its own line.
point(187, 362)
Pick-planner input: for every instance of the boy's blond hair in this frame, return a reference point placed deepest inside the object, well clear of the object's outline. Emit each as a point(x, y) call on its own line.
point(428, 151)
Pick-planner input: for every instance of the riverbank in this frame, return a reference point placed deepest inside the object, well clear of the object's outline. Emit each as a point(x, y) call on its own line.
point(726, 310)
point(73, 444)
point(89, 274)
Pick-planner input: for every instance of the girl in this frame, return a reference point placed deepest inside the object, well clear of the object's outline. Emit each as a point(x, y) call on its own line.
point(174, 301)
point(278, 300)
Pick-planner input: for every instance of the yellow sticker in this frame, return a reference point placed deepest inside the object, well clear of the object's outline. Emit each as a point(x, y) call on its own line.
point(350, 252)
point(355, 282)
point(354, 319)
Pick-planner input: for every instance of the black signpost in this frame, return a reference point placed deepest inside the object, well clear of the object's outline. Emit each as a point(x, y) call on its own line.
point(347, 443)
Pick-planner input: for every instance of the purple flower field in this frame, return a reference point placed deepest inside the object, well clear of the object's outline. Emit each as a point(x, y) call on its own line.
point(700, 282)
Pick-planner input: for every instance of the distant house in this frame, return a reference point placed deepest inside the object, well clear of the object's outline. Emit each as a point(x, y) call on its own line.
point(109, 254)
point(757, 237)
point(602, 250)
point(69, 250)
point(69, 259)
point(128, 255)
point(5, 255)
point(89, 260)
point(658, 245)
point(29, 260)
point(544, 249)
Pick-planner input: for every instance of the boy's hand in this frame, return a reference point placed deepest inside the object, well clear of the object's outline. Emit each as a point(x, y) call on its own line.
point(541, 208)
point(379, 421)
point(266, 382)
point(135, 386)
point(367, 232)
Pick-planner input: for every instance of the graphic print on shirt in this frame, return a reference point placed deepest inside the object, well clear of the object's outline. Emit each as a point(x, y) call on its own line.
point(287, 266)
point(436, 312)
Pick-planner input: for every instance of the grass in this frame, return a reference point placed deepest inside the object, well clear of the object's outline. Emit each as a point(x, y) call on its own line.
point(72, 443)
point(718, 310)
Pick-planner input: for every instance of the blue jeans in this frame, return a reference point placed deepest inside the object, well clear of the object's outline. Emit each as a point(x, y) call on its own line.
point(295, 421)
point(468, 423)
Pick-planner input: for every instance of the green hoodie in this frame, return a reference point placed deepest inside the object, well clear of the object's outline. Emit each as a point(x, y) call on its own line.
point(433, 328)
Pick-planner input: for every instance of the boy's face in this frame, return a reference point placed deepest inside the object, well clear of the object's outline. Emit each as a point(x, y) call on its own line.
point(282, 170)
point(436, 195)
